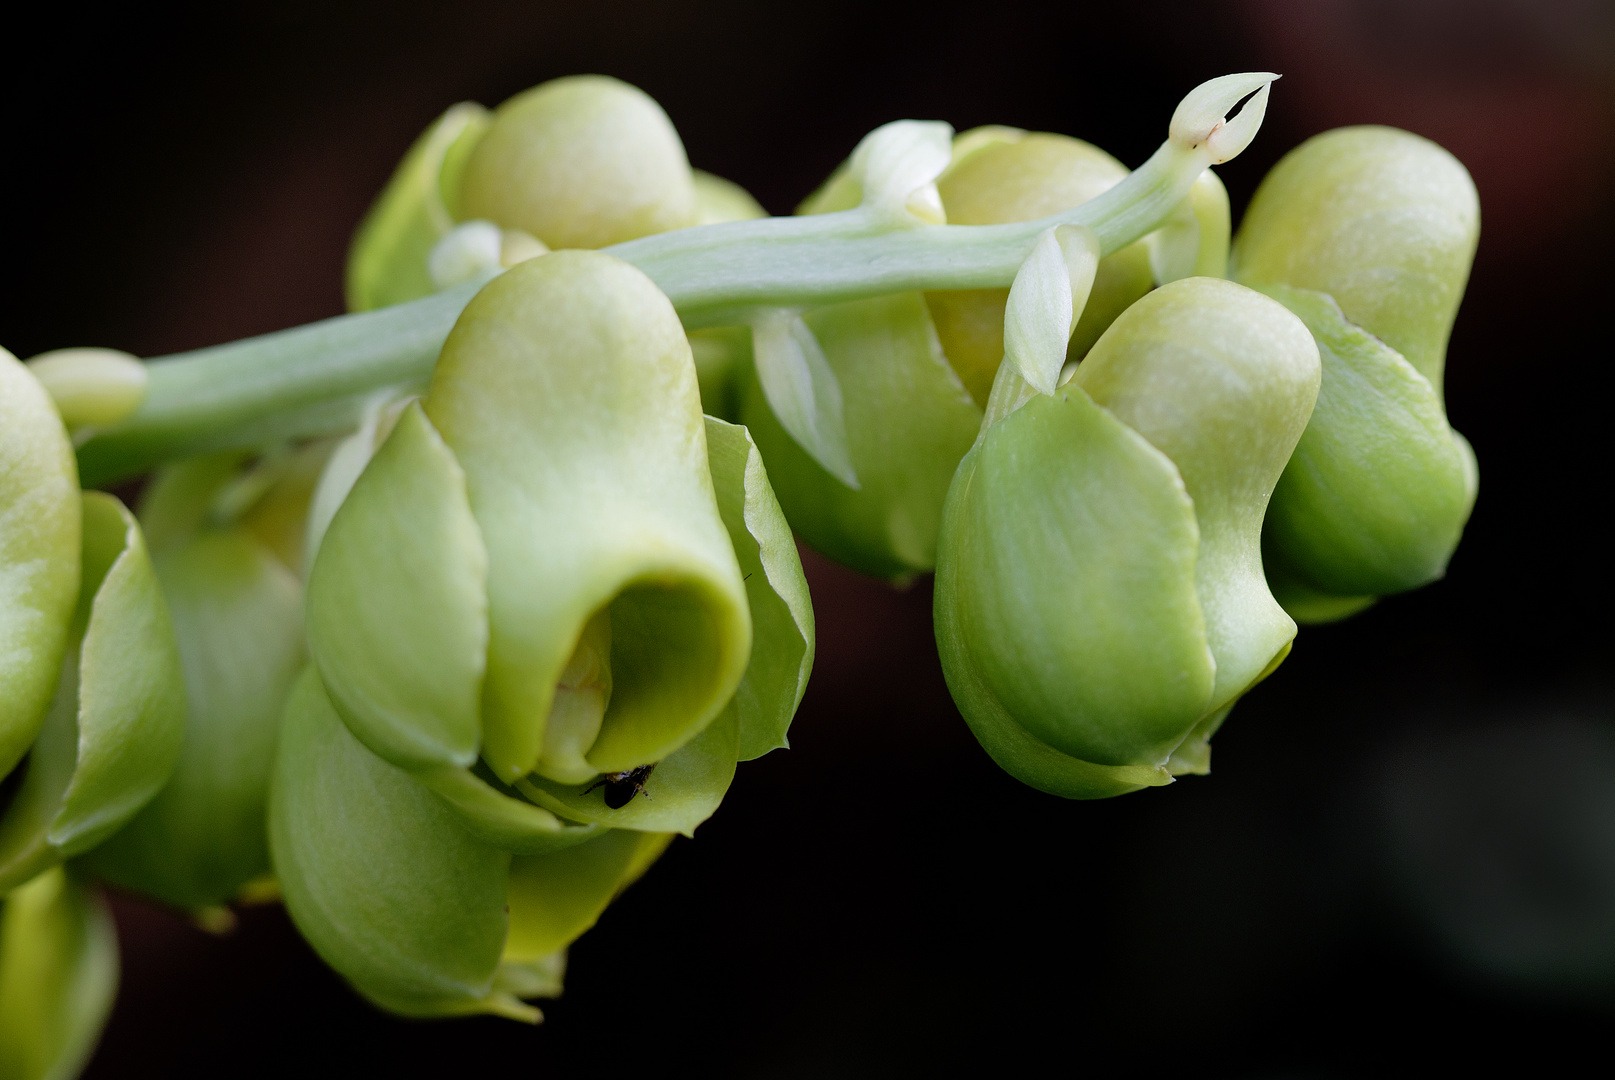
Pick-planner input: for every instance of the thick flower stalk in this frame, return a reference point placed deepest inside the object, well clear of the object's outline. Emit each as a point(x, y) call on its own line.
point(555, 609)
point(320, 379)
point(1367, 234)
point(1100, 600)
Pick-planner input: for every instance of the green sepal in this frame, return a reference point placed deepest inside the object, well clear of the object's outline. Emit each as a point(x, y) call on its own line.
point(1379, 489)
point(908, 420)
point(783, 638)
point(397, 604)
point(682, 791)
point(238, 619)
point(1220, 379)
point(114, 731)
point(555, 898)
point(39, 554)
point(387, 263)
point(567, 394)
point(1382, 220)
point(380, 875)
point(58, 976)
point(1066, 612)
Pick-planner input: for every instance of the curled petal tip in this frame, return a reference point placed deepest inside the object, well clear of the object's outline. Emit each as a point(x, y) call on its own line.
point(1200, 116)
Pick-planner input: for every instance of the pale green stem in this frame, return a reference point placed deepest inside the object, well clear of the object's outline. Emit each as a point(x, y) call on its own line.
point(315, 379)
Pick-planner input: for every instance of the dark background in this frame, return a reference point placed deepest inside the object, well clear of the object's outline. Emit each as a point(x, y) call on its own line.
point(1405, 860)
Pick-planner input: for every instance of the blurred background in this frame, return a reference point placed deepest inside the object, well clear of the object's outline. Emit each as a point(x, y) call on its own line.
point(1405, 858)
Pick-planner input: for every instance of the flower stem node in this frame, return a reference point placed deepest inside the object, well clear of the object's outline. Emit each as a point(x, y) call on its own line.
point(1100, 599)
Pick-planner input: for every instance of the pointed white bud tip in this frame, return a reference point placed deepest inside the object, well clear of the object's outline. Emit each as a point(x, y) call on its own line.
point(469, 251)
point(91, 387)
point(897, 165)
point(1200, 117)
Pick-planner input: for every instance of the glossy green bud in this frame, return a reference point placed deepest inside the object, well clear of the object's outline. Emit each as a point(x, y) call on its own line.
point(1002, 175)
point(550, 568)
point(58, 977)
point(112, 733)
point(238, 620)
point(1367, 234)
point(1100, 600)
point(405, 888)
point(39, 554)
point(580, 162)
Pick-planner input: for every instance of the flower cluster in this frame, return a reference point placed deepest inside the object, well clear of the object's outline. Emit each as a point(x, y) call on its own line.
point(441, 619)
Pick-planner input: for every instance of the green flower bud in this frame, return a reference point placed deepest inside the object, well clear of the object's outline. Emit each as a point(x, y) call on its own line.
point(539, 568)
point(1100, 600)
point(556, 509)
point(1002, 175)
point(58, 977)
point(1367, 234)
point(238, 620)
point(112, 733)
point(39, 554)
point(580, 162)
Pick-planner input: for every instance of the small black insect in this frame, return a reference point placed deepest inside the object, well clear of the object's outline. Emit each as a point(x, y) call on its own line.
point(621, 787)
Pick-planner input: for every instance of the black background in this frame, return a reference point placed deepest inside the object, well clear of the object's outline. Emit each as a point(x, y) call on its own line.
point(1405, 860)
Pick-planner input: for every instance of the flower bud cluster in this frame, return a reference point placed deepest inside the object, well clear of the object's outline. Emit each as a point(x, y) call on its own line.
point(452, 676)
